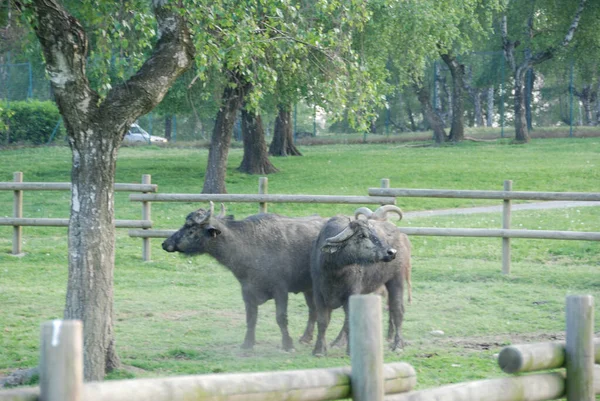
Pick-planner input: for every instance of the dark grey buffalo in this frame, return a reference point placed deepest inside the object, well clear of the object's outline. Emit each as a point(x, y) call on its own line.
point(357, 257)
point(268, 254)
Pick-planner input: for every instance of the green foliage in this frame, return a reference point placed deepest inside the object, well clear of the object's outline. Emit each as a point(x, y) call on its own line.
point(177, 315)
point(29, 122)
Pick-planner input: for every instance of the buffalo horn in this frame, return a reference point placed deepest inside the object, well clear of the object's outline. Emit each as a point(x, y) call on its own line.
point(341, 237)
point(222, 214)
point(362, 211)
point(382, 212)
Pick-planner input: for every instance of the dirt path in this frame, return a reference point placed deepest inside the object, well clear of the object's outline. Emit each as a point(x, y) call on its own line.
point(498, 208)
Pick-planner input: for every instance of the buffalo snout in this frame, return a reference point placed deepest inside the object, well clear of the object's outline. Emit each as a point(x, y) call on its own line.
point(168, 246)
point(390, 254)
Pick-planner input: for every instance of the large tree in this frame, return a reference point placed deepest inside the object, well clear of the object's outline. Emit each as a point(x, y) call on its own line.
point(247, 42)
point(549, 27)
point(96, 125)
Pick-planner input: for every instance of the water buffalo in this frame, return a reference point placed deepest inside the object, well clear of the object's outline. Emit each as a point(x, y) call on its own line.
point(352, 256)
point(267, 253)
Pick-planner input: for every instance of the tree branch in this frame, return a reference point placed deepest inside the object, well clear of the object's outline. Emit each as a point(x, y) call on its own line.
point(172, 55)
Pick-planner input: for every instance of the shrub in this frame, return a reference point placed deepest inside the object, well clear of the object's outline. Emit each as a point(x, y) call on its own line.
point(30, 121)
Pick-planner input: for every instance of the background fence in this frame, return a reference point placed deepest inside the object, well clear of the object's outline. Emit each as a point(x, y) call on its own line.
point(61, 370)
point(376, 196)
point(556, 96)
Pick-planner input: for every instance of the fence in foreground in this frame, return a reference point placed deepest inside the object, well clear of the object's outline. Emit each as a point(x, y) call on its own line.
point(376, 196)
point(368, 379)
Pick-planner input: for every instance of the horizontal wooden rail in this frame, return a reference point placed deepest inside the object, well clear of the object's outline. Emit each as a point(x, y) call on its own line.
point(538, 356)
point(444, 232)
point(49, 222)
point(66, 186)
point(151, 233)
point(302, 385)
point(262, 198)
point(535, 387)
point(468, 194)
point(510, 233)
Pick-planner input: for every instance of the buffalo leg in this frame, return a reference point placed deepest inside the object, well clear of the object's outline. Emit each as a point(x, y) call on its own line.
point(312, 317)
point(342, 338)
point(251, 316)
point(281, 304)
point(396, 303)
point(323, 317)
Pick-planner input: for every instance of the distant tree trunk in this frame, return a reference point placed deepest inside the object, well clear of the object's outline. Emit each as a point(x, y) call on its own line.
point(529, 80)
point(214, 182)
point(457, 70)
point(475, 95)
point(433, 119)
point(283, 136)
point(490, 107)
point(256, 157)
point(519, 70)
point(411, 117)
point(96, 127)
point(587, 97)
point(521, 131)
point(168, 126)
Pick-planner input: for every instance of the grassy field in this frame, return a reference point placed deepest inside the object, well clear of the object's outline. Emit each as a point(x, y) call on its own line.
point(178, 315)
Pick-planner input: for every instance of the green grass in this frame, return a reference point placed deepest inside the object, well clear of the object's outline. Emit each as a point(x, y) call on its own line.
point(177, 315)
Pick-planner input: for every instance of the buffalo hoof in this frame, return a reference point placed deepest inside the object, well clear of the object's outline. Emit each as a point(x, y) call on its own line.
point(305, 339)
point(320, 352)
point(247, 346)
point(341, 341)
point(397, 345)
point(288, 346)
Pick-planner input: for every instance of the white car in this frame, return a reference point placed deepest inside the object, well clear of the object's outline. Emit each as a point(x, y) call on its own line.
point(137, 134)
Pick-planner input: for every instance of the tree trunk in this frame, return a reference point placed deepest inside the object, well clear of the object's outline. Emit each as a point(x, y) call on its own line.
point(214, 182)
point(477, 108)
point(168, 126)
point(256, 158)
point(490, 107)
point(433, 119)
point(587, 97)
point(457, 70)
point(411, 117)
point(521, 132)
point(529, 79)
point(283, 139)
point(92, 235)
point(96, 128)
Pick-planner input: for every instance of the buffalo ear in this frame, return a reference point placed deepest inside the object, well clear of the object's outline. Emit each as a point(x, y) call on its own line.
point(330, 248)
point(212, 232)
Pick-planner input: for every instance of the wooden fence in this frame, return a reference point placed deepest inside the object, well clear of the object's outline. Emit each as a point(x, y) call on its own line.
point(376, 196)
point(18, 221)
point(368, 379)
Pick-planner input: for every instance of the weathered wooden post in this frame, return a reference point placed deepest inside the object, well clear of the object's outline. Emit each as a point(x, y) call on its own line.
point(146, 215)
point(366, 348)
point(61, 361)
point(579, 348)
point(506, 226)
point(17, 213)
point(385, 183)
point(263, 188)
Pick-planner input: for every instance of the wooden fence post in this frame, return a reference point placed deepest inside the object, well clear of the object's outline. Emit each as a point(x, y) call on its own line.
point(506, 226)
point(366, 348)
point(579, 349)
point(146, 215)
point(263, 188)
point(61, 361)
point(385, 183)
point(17, 213)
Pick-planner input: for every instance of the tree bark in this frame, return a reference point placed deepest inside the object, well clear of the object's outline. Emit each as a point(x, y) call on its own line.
point(231, 102)
point(529, 80)
point(96, 128)
point(457, 70)
point(283, 136)
point(256, 159)
point(490, 107)
point(521, 131)
point(433, 119)
point(587, 96)
point(168, 126)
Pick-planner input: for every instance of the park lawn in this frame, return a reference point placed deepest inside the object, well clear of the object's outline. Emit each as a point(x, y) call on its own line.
point(179, 315)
